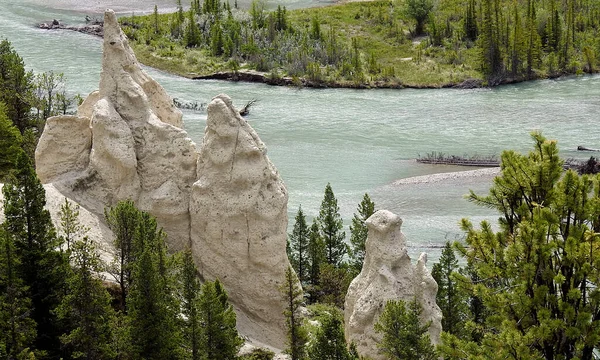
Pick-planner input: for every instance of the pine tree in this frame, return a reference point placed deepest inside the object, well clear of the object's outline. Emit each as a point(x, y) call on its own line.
point(331, 225)
point(17, 328)
point(296, 335)
point(316, 257)
point(16, 86)
point(152, 306)
point(489, 44)
point(190, 302)
point(10, 143)
point(87, 306)
point(123, 219)
point(70, 227)
point(451, 301)
point(403, 335)
point(329, 342)
point(359, 232)
point(220, 340)
point(536, 276)
point(192, 33)
point(42, 266)
point(299, 239)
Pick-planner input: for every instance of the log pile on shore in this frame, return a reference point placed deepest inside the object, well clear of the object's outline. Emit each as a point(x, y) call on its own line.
point(439, 158)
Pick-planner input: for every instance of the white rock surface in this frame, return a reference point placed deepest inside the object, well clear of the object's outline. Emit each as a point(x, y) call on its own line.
point(239, 222)
point(132, 148)
point(387, 274)
point(228, 204)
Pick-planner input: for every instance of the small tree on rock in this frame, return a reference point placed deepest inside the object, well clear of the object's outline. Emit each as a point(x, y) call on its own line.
point(297, 337)
point(331, 225)
point(403, 335)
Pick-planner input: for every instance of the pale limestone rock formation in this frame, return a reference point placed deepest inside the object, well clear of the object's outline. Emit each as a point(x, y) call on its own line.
point(229, 204)
point(128, 144)
point(387, 274)
point(239, 221)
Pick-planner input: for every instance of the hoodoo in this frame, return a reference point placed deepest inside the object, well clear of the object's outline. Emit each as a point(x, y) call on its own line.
point(387, 274)
point(127, 142)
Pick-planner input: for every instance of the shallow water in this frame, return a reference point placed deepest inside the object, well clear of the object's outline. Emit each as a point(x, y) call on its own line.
point(358, 140)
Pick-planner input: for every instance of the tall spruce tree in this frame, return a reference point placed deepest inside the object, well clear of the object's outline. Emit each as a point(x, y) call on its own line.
point(190, 286)
point(299, 239)
point(316, 257)
point(152, 305)
point(359, 232)
point(10, 143)
point(296, 334)
point(87, 306)
point(123, 219)
point(450, 299)
point(220, 339)
point(42, 265)
point(17, 328)
point(331, 225)
point(16, 86)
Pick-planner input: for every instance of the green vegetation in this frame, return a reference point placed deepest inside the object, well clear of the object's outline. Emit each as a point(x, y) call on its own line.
point(377, 43)
point(536, 278)
point(359, 232)
point(403, 335)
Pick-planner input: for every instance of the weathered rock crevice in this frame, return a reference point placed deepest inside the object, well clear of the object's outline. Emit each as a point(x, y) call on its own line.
point(127, 142)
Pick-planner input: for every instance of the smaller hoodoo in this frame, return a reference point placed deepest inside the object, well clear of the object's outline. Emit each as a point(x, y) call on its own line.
point(387, 274)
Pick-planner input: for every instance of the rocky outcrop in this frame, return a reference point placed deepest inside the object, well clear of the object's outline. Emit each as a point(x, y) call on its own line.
point(239, 220)
point(227, 202)
point(126, 142)
point(387, 274)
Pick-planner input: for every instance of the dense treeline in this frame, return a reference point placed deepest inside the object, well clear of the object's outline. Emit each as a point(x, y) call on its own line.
point(378, 42)
point(26, 101)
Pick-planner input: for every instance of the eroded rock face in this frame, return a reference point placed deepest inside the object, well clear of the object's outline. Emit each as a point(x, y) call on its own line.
point(228, 204)
point(387, 274)
point(239, 221)
point(126, 142)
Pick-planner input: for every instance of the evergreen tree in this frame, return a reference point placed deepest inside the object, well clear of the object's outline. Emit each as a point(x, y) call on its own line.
point(359, 232)
point(152, 307)
point(489, 44)
point(418, 10)
point(87, 306)
point(316, 257)
point(403, 336)
point(42, 266)
point(329, 342)
point(10, 143)
point(16, 86)
point(299, 239)
point(192, 33)
point(220, 340)
point(17, 328)
point(190, 301)
point(123, 219)
point(296, 335)
point(331, 225)
point(69, 223)
point(333, 284)
point(449, 298)
point(536, 276)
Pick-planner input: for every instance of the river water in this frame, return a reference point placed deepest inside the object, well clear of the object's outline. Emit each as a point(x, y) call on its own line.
point(358, 140)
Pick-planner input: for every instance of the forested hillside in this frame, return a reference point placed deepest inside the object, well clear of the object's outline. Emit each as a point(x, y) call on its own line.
point(421, 43)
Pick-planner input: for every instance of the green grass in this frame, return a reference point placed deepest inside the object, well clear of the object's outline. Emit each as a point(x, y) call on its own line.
point(378, 27)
